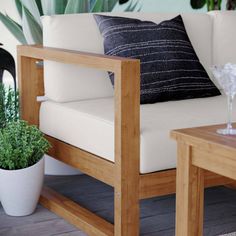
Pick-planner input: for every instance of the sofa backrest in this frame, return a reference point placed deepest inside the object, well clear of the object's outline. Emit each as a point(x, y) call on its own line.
point(224, 37)
point(65, 83)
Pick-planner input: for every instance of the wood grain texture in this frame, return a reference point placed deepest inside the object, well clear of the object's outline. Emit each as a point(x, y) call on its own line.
point(98, 61)
point(153, 184)
point(189, 194)
point(157, 184)
point(210, 150)
point(30, 79)
point(88, 163)
point(211, 179)
point(206, 138)
point(164, 182)
point(222, 165)
point(231, 185)
point(75, 214)
point(127, 149)
point(200, 148)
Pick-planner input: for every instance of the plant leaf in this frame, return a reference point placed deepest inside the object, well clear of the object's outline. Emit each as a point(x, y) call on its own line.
point(98, 6)
point(60, 6)
point(231, 5)
point(123, 1)
point(105, 7)
point(39, 4)
point(32, 30)
point(196, 4)
point(75, 6)
point(219, 3)
point(111, 4)
point(51, 7)
point(14, 28)
point(48, 7)
point(132, 6)
point(33, 9)
point(19, 7)
point(92, 2)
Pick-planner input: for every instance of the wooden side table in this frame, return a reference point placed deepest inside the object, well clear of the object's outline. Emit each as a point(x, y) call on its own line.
point(199, 149)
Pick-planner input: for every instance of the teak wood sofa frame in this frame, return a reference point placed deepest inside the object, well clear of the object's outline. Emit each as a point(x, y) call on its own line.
point(129, 185)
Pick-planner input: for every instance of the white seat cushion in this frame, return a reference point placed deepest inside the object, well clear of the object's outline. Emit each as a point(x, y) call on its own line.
point(89, 125)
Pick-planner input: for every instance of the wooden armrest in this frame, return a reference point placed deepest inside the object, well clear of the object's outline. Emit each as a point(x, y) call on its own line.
point(93, 60)
point(126, 99)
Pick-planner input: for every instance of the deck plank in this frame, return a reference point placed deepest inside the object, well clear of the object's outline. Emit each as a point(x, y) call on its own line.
point(157, 214)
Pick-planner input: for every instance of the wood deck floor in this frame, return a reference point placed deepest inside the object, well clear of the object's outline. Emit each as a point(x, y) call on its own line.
point(157, 214)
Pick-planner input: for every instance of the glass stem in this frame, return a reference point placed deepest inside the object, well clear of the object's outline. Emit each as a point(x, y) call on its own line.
point(230, 108)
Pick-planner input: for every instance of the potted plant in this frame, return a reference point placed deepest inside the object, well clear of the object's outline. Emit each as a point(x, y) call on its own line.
point(213, 4)
point(9, 105)
point(22, 148)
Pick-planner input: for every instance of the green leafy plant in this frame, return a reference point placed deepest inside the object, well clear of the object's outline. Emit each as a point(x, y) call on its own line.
point(30, 29)
point(21, 145)
point(9, 105)
point(213, 4)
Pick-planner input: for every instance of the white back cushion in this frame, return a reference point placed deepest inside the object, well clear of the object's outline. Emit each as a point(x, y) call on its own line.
point(64, 82)
point(224, 37)
point(79, 32)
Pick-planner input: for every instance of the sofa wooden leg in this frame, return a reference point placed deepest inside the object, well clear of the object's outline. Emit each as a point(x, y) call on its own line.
point(126, 214)
point(127, 149)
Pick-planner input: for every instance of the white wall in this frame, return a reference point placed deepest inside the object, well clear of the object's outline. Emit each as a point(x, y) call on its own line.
point(9, 41)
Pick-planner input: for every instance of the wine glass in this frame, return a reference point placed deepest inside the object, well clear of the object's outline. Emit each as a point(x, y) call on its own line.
point(226, 78)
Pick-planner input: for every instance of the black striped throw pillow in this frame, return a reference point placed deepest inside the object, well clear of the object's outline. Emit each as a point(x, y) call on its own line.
point(170, 68)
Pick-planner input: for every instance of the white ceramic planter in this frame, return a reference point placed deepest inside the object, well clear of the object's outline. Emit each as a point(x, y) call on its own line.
point(20, 189)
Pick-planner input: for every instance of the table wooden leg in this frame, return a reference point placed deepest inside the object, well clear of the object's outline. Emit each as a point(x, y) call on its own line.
point(189, 194)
